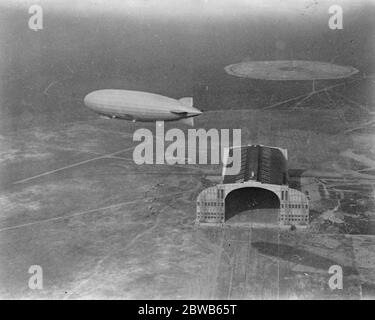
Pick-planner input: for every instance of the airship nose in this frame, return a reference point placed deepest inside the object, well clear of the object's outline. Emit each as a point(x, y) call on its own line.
point(89, 99)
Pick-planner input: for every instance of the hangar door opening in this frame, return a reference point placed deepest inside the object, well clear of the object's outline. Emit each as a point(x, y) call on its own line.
point(252, 204)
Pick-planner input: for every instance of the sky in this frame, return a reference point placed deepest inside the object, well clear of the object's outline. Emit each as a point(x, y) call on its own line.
point(171, 47)
point(190, 7)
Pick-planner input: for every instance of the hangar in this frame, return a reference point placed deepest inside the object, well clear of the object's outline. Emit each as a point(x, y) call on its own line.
point(260, 191)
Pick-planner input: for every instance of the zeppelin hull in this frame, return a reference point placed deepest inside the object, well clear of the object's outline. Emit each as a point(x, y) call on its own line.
point(138, 105)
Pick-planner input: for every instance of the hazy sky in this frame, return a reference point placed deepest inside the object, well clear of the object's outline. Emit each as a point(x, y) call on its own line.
point(172, 46)
point(190, 7)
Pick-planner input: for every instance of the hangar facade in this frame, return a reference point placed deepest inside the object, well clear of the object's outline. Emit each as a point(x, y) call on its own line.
point(260, 189)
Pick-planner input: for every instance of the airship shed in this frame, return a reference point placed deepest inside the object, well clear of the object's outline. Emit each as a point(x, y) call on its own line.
point(259, 192)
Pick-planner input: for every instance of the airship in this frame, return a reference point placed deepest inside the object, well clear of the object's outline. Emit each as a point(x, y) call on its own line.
point(141, 106)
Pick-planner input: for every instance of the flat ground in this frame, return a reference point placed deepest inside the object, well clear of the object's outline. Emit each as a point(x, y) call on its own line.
point(73, 201)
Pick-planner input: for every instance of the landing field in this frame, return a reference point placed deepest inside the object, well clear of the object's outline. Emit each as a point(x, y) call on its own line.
point(74, 202)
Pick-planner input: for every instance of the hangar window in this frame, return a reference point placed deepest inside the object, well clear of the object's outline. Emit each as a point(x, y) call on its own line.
point(218, 193)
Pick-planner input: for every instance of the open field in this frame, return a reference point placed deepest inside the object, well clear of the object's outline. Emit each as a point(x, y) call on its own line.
point(74, 202)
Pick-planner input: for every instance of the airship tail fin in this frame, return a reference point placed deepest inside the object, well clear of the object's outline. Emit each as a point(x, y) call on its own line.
point(187, 101)
point(187, 121)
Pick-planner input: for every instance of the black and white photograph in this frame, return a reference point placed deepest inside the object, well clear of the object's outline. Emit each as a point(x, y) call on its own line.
point(184, 150)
